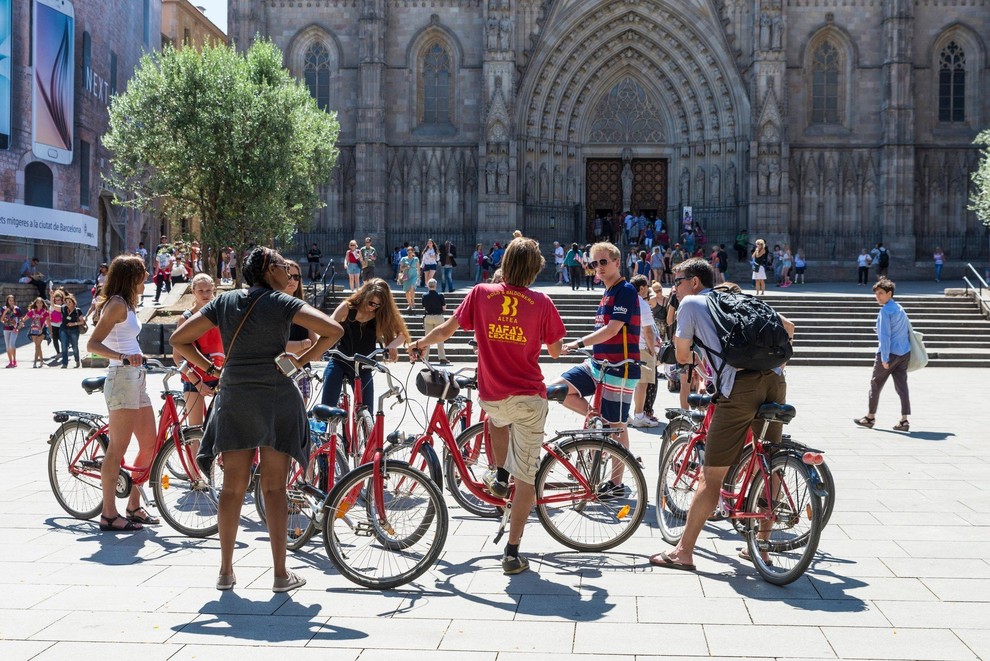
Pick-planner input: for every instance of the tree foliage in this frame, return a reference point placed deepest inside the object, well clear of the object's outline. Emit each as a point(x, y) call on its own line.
point(979, 201)
point(230, 138)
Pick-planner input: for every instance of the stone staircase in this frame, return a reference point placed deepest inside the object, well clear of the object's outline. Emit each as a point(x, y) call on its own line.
point(832, 329)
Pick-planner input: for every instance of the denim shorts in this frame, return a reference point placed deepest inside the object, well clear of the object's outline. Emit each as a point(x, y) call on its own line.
point(353, 269)
point(126, 388)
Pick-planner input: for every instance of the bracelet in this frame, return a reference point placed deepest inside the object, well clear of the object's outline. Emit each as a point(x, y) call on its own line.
point(581, 343)
point(212, 370)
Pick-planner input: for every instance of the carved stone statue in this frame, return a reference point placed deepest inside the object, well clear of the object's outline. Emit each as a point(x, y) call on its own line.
point(503, 176)
point(778, 32)
point(544, 184)
point(627, 186)
point(492, 32)
point(763, 177)
point(558, 185)
point(685, 187)
point(773, 181)
point(766, 22)
point(530, 183)
point(505, 33)
point(490, 177)
point(716, 185)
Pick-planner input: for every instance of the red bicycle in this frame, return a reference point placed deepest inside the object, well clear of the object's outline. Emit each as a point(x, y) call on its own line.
point(186, 498)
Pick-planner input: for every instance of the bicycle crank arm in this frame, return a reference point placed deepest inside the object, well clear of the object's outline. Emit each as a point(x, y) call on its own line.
point(503, 523)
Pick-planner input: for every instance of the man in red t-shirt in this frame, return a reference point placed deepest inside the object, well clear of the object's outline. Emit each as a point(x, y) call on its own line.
point(511, 324)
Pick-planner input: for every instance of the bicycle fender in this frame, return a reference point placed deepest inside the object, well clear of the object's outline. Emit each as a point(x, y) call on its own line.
point(432, 462)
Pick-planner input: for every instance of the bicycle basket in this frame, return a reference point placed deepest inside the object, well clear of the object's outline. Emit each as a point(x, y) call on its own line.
point(436, 383)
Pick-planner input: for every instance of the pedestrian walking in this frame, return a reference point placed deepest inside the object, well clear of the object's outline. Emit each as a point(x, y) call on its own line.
point(863, 267)
point(939, 258)
point(894, 336)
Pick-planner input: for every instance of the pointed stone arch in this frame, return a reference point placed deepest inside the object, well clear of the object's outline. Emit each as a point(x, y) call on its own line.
point(314, 33)
point(968, 42)
point(847, 56)
point(626, 113)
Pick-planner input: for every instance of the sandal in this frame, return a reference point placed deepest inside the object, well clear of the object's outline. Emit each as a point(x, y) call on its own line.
point(226, 581)
point(290, 582)
point(144, 519)
point(903, 425)
point(866, 422)
point(744, 554)
point(106, 524)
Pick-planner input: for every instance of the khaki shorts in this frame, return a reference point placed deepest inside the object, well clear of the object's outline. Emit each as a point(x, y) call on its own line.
point(648, 371)
point(527, 416)
point(125, 388)
point(735, 415)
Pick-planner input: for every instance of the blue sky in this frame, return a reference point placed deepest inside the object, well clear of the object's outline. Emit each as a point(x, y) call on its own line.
point(216, 11)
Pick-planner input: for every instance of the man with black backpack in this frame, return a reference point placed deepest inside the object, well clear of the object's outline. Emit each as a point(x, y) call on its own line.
point(882, 260)
point(725, 330)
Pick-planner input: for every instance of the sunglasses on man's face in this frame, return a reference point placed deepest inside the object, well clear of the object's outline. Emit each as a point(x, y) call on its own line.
point(678, 281)
point(600, 262)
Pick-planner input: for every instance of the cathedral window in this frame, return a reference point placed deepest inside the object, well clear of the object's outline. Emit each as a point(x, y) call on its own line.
point(952, 84)
point(436, 85)
point(317, 74)
point(825, 85)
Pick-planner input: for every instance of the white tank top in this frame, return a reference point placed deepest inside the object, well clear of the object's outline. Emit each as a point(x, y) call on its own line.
point(123, 337)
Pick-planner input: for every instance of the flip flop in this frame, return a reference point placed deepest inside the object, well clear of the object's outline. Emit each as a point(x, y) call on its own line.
point(744, 554)
point(665, 561)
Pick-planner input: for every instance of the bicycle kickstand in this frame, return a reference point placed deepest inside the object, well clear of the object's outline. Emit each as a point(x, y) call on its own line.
point(504, 522)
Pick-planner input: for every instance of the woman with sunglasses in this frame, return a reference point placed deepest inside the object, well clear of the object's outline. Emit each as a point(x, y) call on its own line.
point(352, 259)
point(300, 338)
point(369, 317)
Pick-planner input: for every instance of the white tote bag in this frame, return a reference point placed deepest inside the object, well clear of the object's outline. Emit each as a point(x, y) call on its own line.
point(919, 355)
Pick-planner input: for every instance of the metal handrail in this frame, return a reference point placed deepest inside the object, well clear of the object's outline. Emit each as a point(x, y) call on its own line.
point(982, 301)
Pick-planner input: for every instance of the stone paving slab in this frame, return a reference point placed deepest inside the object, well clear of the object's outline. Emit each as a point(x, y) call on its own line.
point(901, 573)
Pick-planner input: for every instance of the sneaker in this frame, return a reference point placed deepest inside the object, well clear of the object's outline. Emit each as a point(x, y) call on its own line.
point(514, 564)
point(642, 421)
point(610, 491)
point(498, 489)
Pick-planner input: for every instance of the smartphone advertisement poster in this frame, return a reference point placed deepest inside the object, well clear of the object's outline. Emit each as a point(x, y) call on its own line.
point(54, 85)
point(26, 222)
point(6, 30)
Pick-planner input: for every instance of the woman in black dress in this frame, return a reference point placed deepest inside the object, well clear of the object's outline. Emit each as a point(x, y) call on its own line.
point(256, 405)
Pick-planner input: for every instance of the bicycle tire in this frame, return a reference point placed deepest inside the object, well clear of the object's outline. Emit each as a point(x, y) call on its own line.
point(792, 537)
point(676, 486)
point(594, 524)
point(79, 495)
point(454, 410)
point(471, 444)
point(365, 426)
point(674, 428)
point(303, 519)
point(820, 474)
point(353, 535)
point(402, 451)
point(189, 504)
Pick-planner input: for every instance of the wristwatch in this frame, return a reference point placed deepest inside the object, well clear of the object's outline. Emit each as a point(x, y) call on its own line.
point(581, 343)
point(212, 370)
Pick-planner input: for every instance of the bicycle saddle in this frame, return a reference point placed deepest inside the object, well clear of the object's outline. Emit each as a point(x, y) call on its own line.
point(328, 413)
point(696, 400)
point(557, 392)
point(779, 412)
point(93, 384)
point(467, 382)
point(672, 413)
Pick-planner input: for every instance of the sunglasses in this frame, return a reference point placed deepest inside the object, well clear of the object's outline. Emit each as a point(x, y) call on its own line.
point(600, 262)
point(678, 281)
point(374, 305)
point(295, 276)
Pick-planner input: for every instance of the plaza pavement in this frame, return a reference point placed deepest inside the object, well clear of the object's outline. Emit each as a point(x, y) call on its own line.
point(901, 573)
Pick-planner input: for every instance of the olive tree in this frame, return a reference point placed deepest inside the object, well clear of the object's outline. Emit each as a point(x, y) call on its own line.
point(231, 138)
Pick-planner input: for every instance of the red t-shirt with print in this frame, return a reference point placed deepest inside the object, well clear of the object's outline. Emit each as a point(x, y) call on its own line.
point(511, 326)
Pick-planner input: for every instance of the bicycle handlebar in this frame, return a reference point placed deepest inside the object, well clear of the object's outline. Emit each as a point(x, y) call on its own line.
point(358, 359)
point(605, 364)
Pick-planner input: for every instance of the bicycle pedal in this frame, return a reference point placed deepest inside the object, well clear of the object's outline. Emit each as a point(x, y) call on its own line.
point(639, 460)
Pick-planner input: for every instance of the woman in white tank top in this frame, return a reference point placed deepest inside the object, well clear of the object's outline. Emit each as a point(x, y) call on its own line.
point(131, 414)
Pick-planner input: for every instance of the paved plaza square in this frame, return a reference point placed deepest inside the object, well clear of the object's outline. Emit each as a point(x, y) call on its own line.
point(901, 572)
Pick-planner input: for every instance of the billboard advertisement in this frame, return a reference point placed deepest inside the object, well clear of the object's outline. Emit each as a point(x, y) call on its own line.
point(52, 104)
point(6, 30)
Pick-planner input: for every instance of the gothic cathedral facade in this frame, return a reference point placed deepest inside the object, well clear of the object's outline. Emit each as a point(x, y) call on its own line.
point(825, 124)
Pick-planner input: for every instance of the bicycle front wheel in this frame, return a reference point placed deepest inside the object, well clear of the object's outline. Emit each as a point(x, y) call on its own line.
point(384, 535)
point(680, 474)
point(74, 462)
point(594, 518)
point(187, 500)
point(475, 452)
point(782, 545)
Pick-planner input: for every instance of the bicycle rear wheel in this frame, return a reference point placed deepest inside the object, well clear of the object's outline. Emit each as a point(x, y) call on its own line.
point(475, 452)
point(680, 474)
point(384, 552)
point(76, 482)
point(187, 500)
point(592, 521)
point(303, 520)
point(783, 546)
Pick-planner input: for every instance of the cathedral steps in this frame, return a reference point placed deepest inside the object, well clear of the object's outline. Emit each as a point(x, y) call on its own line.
point(832, 329)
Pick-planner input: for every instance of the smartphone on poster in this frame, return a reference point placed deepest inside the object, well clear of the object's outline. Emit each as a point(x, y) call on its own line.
point(53, 101)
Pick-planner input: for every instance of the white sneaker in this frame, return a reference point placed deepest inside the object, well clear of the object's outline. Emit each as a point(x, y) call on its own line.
point(642, 421)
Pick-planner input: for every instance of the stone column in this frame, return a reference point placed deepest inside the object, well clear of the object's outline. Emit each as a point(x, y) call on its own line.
point(371, 188)
point(897, 130)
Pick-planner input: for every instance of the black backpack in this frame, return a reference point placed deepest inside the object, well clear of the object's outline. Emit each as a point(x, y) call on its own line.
point(751, 333)
point(883, 259)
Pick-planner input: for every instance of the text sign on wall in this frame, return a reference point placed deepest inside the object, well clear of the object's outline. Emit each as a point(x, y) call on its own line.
point(26, 222)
